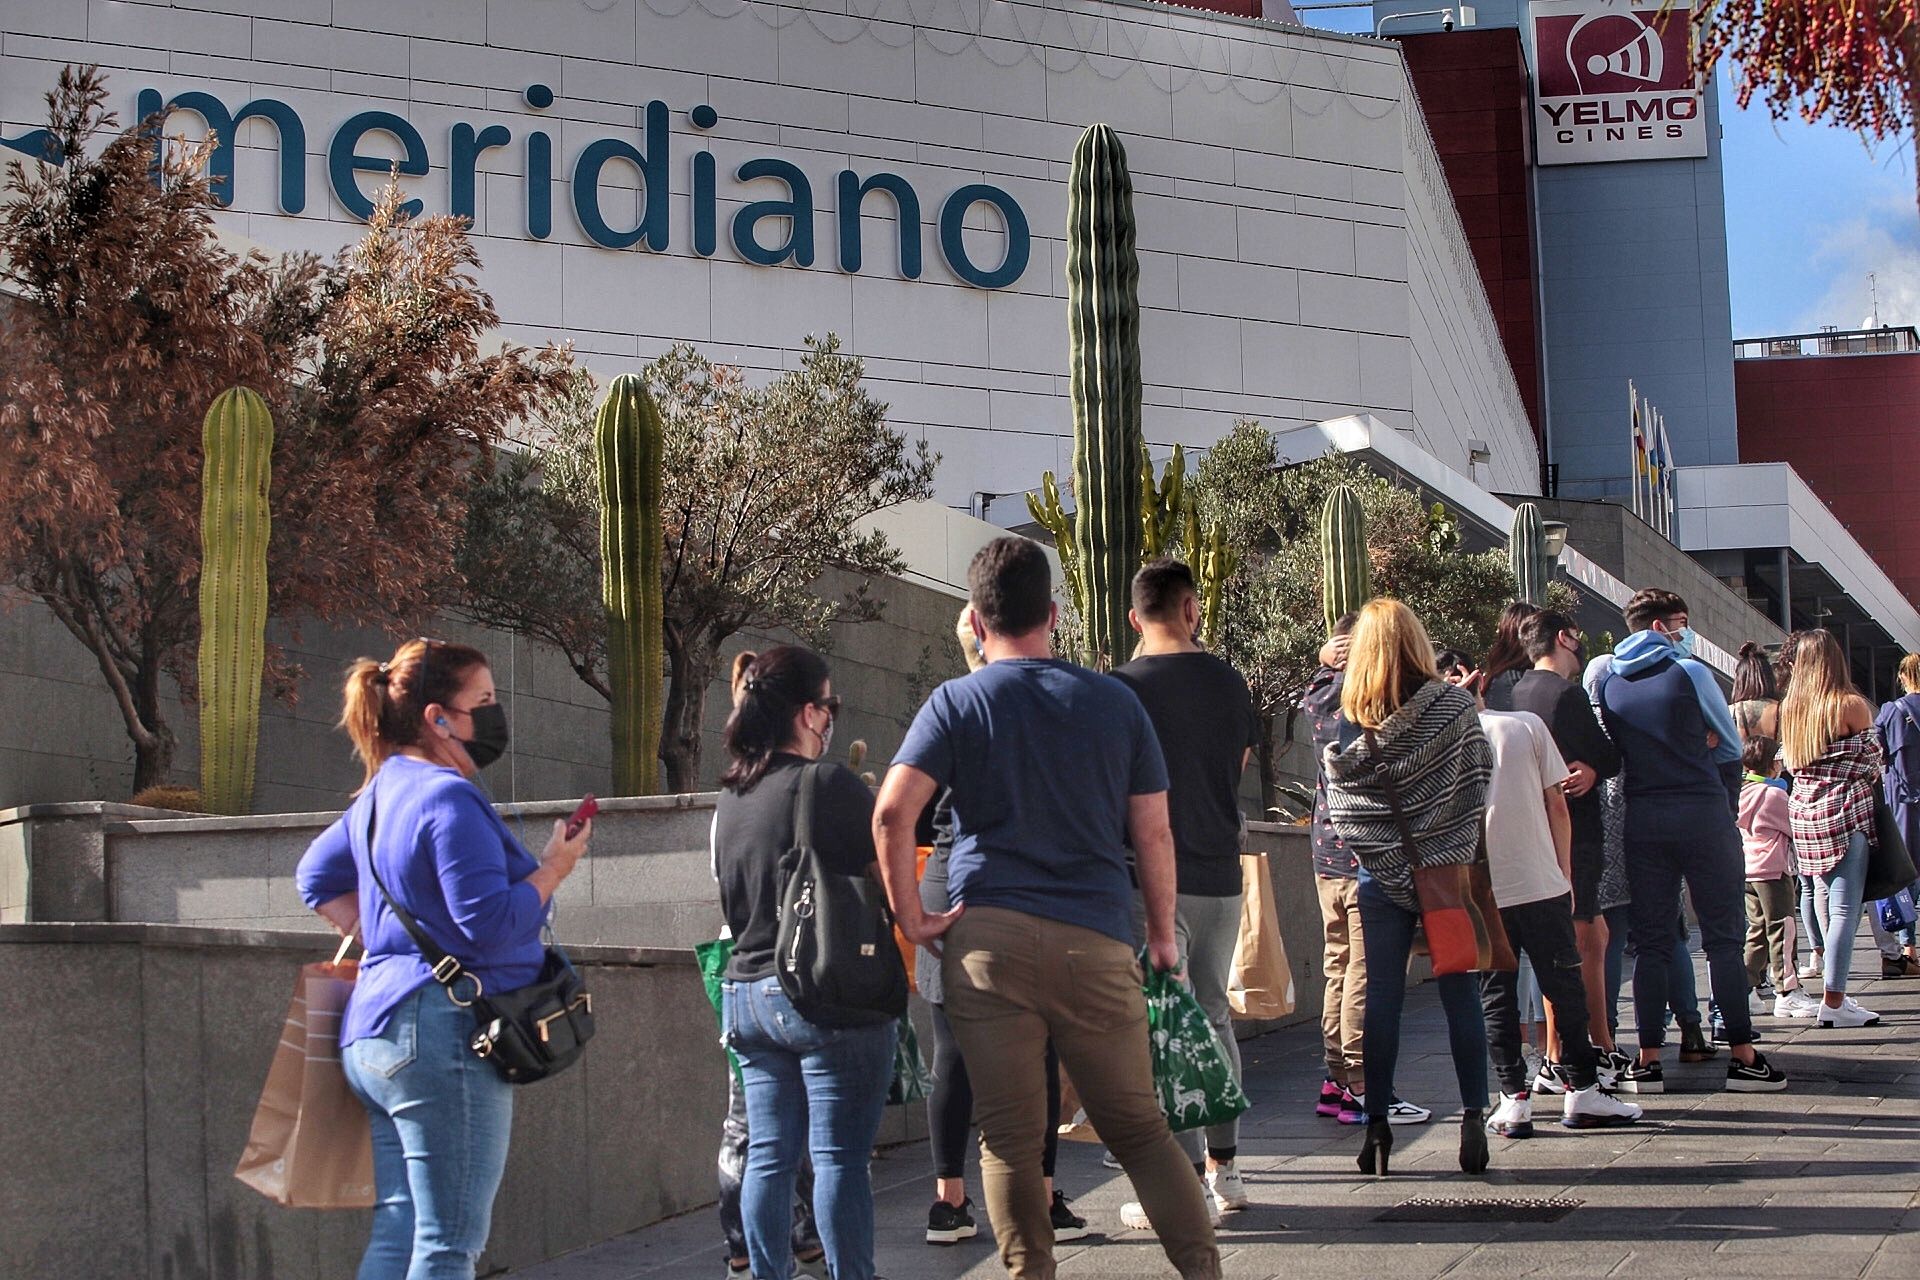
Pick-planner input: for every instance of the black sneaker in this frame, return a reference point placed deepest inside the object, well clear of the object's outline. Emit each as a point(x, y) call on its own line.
point(950, 1224)
point(1638, 1078)
point(1067, 1225)
point(1759, 1077)
point(1720, 1034)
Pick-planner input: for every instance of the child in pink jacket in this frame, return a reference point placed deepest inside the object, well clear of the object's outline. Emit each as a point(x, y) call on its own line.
point(1772, 891)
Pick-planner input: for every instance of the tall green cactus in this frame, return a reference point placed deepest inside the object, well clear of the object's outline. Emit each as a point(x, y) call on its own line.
point(1527, 553)
point(627, 443)
point(1164, 505)
point(1047, 512)
point(1103, 318)
point(1346, 580)
point(235, 521)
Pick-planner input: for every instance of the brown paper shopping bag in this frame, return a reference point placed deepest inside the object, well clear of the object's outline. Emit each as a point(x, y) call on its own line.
point(310, 1146)
point(1262, 981)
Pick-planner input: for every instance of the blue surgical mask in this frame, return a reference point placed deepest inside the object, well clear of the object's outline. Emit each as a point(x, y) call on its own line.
point(1682, 641)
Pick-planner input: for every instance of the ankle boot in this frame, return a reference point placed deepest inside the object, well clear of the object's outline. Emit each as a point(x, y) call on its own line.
point(1374, 1151)
point(1473, 1141)
point(1693, 1045)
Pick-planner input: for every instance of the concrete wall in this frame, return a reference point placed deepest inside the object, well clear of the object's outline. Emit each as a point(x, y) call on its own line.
point(62, 738)
point(1280, 209)
point(645, 883)
point(172, 1030)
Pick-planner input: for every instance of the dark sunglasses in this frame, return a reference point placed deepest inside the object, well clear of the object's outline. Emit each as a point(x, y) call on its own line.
point(830, 704)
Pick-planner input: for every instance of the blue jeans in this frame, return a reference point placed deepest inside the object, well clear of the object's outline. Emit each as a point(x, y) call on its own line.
point(1683, 994)
point(1712, 866)
point(1810, 914)
point(1387, 931)
point(1845, 883)
point(809, 1088)
point(441, 1120)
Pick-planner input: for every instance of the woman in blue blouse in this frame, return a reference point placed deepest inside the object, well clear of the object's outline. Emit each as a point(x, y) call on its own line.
point(423, 723)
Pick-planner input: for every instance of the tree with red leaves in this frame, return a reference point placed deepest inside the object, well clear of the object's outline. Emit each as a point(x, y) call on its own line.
point(1853, 63)
point(129, 315)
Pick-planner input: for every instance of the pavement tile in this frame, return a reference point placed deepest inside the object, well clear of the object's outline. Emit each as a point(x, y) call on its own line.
point(1822, 1180)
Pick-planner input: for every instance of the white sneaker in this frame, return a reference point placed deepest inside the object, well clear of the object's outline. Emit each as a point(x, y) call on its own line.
point(1404, 1112)
point(1814, 970)
point(1228, 1187)
point(1795, 1004)
point(1755, 1005)
point(1133, 1215)
point(1595, 1108)
point(1609, 1066)
point(1513, 1118)
point(1848, 1014)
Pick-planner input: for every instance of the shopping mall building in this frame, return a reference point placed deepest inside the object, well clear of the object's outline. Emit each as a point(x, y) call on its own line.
point(1447, 250)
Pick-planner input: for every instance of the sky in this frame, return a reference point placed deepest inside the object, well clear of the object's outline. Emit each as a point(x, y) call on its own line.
point(1811, 212)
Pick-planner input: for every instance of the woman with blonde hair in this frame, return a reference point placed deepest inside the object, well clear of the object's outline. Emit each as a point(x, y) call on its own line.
point(1412, 742)
point(1827, 739)
point(1898, 726)
point(423, 723)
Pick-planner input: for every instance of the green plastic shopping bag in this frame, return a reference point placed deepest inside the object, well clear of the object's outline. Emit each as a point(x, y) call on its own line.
point(713, 957)
point(1191, 1071)
point(912, 1082)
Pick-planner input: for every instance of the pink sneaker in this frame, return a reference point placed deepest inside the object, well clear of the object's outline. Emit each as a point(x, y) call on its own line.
point(1353, 1107)
point(1330, 1098)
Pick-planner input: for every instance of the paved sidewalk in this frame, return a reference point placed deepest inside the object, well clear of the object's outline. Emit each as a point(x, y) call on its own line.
point(1820, 1181)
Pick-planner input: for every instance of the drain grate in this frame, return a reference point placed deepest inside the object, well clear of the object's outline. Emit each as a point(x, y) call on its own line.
point(1503, 1209)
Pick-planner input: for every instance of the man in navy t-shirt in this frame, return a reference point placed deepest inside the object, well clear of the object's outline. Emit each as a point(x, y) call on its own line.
point(1054, 770)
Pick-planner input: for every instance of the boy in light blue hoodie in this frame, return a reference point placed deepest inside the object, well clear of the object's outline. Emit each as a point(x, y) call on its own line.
point(1681, 754)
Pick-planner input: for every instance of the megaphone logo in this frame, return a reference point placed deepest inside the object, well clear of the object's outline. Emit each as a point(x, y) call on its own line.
point(1603, 46)
point(1613, 51)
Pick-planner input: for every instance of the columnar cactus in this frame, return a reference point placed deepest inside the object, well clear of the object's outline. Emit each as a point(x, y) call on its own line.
point(1346, 572)
point(1047, 512)
point(627, 443)
point(1164, 505)
point(1103, 317)
point(1527, 552)
point(235, 521)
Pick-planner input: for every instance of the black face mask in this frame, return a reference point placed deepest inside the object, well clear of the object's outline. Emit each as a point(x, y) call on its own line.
point(489, 741)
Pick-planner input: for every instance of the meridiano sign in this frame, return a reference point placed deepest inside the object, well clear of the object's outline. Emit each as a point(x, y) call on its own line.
point(649, 158)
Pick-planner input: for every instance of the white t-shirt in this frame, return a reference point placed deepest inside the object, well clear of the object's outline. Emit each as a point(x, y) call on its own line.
point(1519, 841)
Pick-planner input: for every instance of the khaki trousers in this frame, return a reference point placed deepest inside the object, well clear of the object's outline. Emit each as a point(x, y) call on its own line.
point(1012, 981)
point(1771, 906)
point(1344, 1015)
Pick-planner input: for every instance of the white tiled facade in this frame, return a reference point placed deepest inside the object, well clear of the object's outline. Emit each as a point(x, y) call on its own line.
point(1300, 257)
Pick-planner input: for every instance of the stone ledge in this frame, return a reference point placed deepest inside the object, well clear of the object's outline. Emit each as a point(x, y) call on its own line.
point(291, 941)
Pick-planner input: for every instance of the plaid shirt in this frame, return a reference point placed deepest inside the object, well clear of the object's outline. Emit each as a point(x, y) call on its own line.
point(1833, 798)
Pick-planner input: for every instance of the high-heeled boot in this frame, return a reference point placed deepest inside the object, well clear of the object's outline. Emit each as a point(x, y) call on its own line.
point(1374, 1151)
point(1473, 1141)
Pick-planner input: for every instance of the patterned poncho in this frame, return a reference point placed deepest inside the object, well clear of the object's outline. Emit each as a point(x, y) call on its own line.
point(1833, 798)
point(1438, 758)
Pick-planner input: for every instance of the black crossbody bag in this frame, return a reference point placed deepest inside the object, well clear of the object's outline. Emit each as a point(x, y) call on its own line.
point(833, 950)
point(529, 1033)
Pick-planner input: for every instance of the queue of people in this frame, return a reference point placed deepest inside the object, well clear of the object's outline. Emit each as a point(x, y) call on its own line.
point(1084, 825)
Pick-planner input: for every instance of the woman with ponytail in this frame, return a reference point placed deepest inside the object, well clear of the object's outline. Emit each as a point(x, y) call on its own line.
point(423, 723)
point(808, 1086)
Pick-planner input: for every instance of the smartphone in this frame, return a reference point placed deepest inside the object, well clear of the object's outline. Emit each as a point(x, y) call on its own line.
point(581, 816)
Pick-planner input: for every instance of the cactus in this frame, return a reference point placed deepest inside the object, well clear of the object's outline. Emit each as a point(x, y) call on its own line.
point(1346, 572)
point(1213, 566)
point(235, 520)
point(1527, 552)
point(627, 442)
point(1046, 512)
point(1164, 506)
point(1103, 317)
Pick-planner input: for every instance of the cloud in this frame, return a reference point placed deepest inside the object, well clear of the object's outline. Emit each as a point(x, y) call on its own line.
point(1870, 260)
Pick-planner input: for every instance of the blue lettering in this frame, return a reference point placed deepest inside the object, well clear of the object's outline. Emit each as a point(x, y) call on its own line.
point(705, 234)
point(953, 246)
point(539, 185)
point(343, 160)
point(468, 147)
point(797, 209)
point(652, 167)
point(223, 125)
point(906, 207)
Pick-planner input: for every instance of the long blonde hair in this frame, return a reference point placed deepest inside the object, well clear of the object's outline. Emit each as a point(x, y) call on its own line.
point(1815, 708)
point(1389, 658)
point(1910, 673)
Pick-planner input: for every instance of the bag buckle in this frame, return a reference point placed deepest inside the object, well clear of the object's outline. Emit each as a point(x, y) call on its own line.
point(446, 970)
point(583, 1000)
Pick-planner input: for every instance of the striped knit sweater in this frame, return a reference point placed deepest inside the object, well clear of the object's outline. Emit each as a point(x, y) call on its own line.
point(1438, 758)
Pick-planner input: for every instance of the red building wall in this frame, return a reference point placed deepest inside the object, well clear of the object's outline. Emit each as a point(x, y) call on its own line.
point(1850, 425)
point(1472, 87)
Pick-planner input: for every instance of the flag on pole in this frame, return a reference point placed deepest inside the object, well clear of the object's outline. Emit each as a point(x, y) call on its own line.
point(1669, 496)
point(1637, 441)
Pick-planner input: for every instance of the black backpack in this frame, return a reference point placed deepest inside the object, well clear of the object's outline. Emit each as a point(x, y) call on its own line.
point(834, 949)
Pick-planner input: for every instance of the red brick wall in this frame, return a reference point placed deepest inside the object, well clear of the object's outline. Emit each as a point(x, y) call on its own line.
point(1472, 87)
point(1850, 425)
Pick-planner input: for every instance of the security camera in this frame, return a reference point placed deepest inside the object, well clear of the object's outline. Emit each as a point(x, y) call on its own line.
point(1446, 22)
